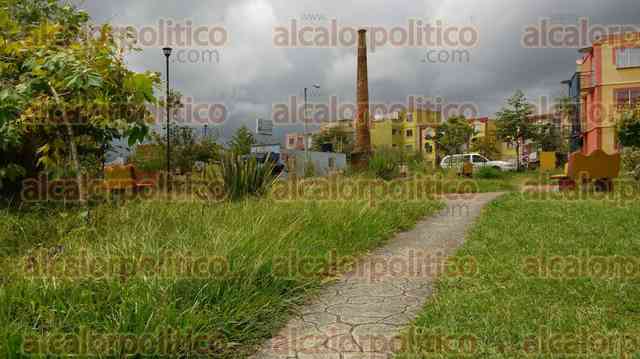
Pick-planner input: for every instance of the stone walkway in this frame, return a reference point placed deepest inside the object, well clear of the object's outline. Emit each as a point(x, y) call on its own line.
point(361, 315)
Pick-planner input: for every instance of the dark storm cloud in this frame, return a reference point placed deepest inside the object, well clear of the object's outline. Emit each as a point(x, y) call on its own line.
point(251, 73)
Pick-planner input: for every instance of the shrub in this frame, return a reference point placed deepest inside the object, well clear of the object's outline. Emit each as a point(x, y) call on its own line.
point(310, 169)
point(415, 161)
point(489, 173)
point(631, 161)
point(385, 162)
point(149, 158)
point(241, 177)
point(153, 157)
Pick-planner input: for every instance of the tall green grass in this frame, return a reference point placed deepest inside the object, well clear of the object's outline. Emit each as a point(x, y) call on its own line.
point(262, 243)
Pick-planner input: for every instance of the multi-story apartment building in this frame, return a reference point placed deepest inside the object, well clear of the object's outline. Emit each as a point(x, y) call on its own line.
point(410, 131)
point(606, 83)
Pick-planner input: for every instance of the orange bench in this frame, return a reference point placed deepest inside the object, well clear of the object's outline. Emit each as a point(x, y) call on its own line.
point(597, 165)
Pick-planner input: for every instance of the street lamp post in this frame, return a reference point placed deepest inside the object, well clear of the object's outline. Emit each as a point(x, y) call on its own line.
point(167, 53)
point(306, 139)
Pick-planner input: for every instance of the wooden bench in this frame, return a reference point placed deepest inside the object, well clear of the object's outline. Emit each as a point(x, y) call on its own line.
point(598, 166)
point(125, 177)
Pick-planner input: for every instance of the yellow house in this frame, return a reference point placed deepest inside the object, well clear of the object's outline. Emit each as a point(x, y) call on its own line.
point(485, 129)
point(608, 79)
point(409, 131)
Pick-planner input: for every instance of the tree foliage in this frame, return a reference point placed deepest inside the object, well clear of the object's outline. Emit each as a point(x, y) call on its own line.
point(65, 87)
point(453, 134)
point(513, 123)
point(486, 146)
point(242, 141)
point(629, 129)
point(549, 138)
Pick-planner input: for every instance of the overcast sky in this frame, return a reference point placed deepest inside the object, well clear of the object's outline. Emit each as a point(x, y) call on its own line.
point(253, 74)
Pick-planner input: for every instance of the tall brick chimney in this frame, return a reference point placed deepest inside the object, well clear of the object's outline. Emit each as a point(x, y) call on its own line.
point(362, 148)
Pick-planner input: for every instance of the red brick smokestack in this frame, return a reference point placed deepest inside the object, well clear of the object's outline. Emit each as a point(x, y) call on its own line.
point(363, 137)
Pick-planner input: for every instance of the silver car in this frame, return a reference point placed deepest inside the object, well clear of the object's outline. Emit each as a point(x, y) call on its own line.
point(478, 161)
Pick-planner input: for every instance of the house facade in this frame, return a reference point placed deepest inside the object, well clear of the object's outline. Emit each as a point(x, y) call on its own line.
point(294, 141)
point(485, 130)
point(606, 83)
point(409, 131)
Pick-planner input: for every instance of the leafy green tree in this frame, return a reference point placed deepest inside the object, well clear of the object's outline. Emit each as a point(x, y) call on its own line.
point(629, 138)
point(242, 141)
point(453, 134)
point(66, 90)
point(513, 123)
point(486, 146)
point(629, 129)
point(548, 138)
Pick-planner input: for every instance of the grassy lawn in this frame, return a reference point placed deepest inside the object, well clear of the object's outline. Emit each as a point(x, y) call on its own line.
point(550, 284)
point(261, 257)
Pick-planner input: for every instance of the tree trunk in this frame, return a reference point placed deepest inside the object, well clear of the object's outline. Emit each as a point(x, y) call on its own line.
point(517, 155)
point(76, 164)
point(74, 151)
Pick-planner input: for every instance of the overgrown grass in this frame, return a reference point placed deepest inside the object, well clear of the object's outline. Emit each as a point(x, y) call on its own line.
point(255, 250)
point(512, 309)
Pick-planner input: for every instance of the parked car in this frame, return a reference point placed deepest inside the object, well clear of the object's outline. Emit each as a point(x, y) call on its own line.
point(478, 161)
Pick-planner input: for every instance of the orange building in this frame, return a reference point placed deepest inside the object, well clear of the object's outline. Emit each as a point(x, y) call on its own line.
point(606, 83)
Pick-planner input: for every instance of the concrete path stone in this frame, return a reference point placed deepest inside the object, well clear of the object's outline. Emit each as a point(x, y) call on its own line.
point(361, 315)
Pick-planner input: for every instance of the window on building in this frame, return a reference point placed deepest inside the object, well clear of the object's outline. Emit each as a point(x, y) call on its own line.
point(628, 57)
point(626, 98)
point(408, 147)
point(409, 117)
point(394, 132)
point(409, 133)
point(292, 141)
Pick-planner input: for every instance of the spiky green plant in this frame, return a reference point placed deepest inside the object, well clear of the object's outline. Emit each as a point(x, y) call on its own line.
point(242, 177)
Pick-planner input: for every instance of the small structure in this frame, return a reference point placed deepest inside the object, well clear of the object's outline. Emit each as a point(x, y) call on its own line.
point(324, 163)
point(547, 161)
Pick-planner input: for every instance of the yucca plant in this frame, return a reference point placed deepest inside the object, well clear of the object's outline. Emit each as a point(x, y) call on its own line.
point(241, 177)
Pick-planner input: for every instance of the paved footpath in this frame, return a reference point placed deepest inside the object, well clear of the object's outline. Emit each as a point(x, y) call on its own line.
point(361, 315)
